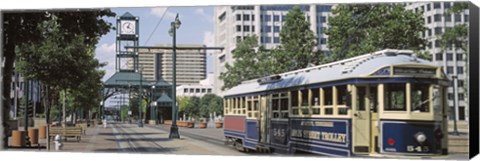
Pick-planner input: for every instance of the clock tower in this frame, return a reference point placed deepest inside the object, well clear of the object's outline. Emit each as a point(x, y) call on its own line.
point(127, 35)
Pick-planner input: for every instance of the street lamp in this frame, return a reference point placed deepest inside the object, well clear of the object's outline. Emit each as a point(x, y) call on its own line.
point(172, 32)
point(455, 98)
point(152, 105)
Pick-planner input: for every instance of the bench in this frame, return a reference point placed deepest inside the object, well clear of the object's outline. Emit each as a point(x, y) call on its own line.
point(66, 132)
point(83, 126)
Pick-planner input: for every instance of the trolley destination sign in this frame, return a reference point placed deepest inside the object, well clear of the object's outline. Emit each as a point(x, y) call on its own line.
point(413, 71)
point(319, 135)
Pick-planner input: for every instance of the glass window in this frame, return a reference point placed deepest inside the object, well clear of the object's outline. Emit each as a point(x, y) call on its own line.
point(239, 39)
point(459, 70)
point(323, 41)
point(420, 102)
point(328, 96)
point(466, 18)
point(253, 17)
point(429, 33)
point(438, 30)
point(437, 18)
point(185, 90)
point(449, 56)
point(450, 96)
point(458, 18)
point(197, 90)
point(437, 5)
point(294, 96)
point(209, 90)
point(439, 56)
point(323, 19)
point(428, 7)
point(268, 28)
point(246, 28)
point(437, 43)
point(239, 17)
point(284, 107)
point(268, 18)
point(276, 28)
point(276, 40)
point(246, 17)
point(446, 5)
point(342, 94)
point(283, 17)
point(449, 70)
point(253, 28)
point(395, 98)
point(268, 39)
point(460, 83)
point(461, 96)
point(361, 93)
point(204, 90)
point(315, 97)
point(276, 18)
point(191, 90)
point(305, 97)
point(448, 18)
point(239, 28)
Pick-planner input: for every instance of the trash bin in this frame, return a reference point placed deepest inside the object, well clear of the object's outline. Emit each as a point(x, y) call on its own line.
point(33, 135)
point(18, 138)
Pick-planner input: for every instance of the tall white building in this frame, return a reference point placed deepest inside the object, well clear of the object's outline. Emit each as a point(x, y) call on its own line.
point(453, 59)
point(233, 23)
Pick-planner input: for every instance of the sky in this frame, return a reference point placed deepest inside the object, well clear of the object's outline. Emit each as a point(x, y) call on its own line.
point(196, 28)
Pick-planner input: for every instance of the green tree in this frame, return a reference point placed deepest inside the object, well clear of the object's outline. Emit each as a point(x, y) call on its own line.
point(357, 29)
point(192, 109)
point(297, 42)
point(22, 28)
point(245, 66)
point(216, 105)
point(205, 101)
point(182, 103)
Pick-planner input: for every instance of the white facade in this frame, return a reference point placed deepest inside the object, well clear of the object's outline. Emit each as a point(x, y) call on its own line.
point(198, 90)
point(453, 61)
point(234, 23)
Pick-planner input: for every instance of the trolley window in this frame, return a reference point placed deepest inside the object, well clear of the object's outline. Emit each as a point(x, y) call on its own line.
point(342, 95)
point(249, 107)
point(284, 107)
point(395, 97)
point(242, 105)
point(328, 96)
point(361, 92)
point(420, 101)
point(315, 100)
point(295, 102)
point(305, 104)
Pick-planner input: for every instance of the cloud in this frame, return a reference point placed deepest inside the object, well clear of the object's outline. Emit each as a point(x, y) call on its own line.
point(106, 53)
point(158, 11)
point(201, 12)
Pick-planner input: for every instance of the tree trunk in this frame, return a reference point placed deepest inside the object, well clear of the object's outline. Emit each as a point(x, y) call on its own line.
point(64, 111)
point(9, 55)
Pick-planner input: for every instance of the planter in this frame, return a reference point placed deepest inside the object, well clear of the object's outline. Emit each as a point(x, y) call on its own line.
point(33, 135)
point(218, 124)
point(168, 122)
point(42, 132)
point(202, 125)
point(190, 124)
point(18, 138)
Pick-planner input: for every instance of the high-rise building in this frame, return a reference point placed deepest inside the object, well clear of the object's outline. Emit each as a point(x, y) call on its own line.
point(156, 63)
point(452, 59)
point(233, 23)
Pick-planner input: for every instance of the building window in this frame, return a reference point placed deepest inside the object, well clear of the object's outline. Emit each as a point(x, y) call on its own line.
point(268, 18)
point(446, 5)
point(268, 39)
point(185, 90)
point(204, 90)
point(437, 5)
point(439, 56)
point(284, 18)
point(428, 7)
point(449, 56)
point(323, 19)
point(459, 70)
point(191, 90)
point(276, 18)
point(458, 18)
point(239, 39)
point(276, 28)
point(448, 18)
point(437, 18)
point(253, 17)
point(429, 19)
point(239, 28)
point(268, 28)
point(276, 40)
point(450, 96)
point(460, 83)
point(323, 41)
point(461, 96)
point(459, 57)
point(449, 70)
point(209, 90)
point(239, 17)
point(437, 43)
point(246, 28)
point(438, 30)
point(253, 28)
point(246, 17)
point(466, 18)
point(197, 90)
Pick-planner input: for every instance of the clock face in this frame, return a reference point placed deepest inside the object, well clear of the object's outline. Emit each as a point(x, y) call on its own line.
point(127, 27)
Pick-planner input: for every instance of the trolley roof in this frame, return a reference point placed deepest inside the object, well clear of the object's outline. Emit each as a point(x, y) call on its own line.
point(359, 66)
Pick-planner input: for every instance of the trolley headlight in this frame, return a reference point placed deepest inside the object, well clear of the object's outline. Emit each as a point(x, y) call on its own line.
point(420, 137)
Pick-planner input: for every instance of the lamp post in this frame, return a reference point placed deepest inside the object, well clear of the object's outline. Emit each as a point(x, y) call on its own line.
point(455, 98)
point(172, 32)
point(152, 105)
point(140, 122)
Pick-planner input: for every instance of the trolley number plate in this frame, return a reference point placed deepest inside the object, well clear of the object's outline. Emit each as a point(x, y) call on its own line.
point(411, 148)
